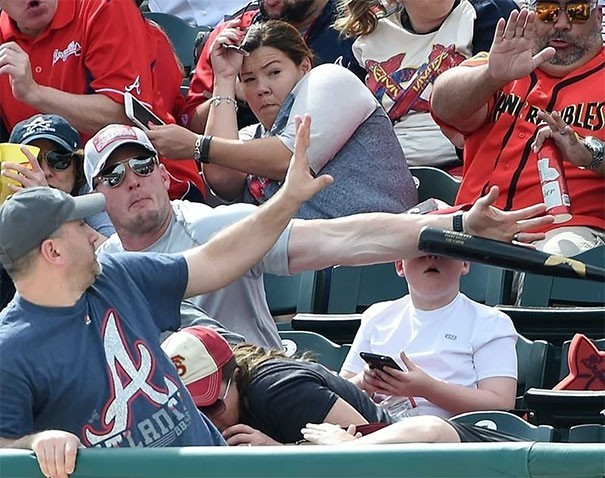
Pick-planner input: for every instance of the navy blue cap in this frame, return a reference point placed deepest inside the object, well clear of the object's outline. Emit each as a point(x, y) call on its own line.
point(54, 128)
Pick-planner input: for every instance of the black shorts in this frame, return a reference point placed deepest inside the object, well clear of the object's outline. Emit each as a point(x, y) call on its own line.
point(473, 433)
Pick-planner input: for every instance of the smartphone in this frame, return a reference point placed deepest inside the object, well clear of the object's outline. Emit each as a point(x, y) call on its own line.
point(379, 361)
point(236, 48)
point(138, 113)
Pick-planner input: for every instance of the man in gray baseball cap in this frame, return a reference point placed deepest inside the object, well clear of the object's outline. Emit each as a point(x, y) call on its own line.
point(33, 215)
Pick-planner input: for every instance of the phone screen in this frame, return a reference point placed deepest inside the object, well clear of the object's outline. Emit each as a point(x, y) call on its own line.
point(143, 115)
point(379, 361)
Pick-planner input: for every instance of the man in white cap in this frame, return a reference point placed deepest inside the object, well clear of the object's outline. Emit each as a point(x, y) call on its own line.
point(146, 220)
point(80, 358)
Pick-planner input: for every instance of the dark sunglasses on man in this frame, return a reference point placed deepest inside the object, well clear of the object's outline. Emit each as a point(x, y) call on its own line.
point(59, 160)
point(577, 12)
point(113, 175)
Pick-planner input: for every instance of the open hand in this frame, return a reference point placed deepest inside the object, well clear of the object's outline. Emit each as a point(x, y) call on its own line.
point(328, 434)
point(511, 55)
point(570, 148)
point(56, 452)
point(244, 435)
point(27, 177)
point(15, 63)
point(483, 219)
point(300, 183)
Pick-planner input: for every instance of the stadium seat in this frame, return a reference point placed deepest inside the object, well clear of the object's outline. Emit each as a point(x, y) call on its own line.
point(547, 291)
point(557, 324)
point(324, 351)
point(588, 433)
point(508, 423)
point(532, 366)
point(435, 183)
point(339, 328)
point(181, 34)
point(353, 289)
point(291, 294)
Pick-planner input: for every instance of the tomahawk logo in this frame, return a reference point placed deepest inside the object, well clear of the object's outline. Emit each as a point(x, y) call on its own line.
point(131, 379)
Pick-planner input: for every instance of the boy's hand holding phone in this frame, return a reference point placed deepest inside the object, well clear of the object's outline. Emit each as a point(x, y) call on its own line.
point(390, 381)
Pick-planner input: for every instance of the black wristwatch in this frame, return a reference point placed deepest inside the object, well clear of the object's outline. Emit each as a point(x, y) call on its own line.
point(597, 150)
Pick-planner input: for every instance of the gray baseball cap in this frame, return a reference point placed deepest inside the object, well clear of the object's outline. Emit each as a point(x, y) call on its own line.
point(32, 215)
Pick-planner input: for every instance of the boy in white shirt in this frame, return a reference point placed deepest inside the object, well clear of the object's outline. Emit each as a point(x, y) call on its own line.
point(459, 355)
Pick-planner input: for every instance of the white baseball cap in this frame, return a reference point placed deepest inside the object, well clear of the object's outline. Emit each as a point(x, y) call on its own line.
point(106, 141)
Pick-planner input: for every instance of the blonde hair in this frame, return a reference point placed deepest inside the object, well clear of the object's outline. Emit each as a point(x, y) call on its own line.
point(358, 17)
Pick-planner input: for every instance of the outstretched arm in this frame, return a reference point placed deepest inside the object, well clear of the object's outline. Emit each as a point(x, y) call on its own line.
point(460, 95)
point(379, 237)
point(236, 249)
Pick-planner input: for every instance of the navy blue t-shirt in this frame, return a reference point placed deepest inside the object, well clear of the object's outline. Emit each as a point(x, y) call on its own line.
point(96, 369)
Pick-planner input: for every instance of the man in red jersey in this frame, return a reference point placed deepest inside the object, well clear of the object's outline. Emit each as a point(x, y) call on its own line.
point(77, 59)
point(543, 79)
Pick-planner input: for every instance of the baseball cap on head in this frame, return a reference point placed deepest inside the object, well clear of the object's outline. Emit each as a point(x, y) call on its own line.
point(199, 354)
point(54, 128)
point(32, 215)
point(106, 141)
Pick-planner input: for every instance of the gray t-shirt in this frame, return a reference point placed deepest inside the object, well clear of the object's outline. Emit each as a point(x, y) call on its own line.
point(241, 307)
point(352, 139)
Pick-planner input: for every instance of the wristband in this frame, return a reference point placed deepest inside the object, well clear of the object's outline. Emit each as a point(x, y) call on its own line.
point(457, 224)
point(201, 148)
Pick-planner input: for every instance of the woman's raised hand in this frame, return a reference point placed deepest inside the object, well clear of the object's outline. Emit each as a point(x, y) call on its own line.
point(227, 62)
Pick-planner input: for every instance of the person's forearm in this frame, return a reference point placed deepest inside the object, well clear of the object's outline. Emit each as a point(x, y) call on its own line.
point(86, 113)
point(200, 117)
point(460, 96)
point(357, 240)
point(233, 251)
point(459, 399)
point(266, 157)
point(24, 442)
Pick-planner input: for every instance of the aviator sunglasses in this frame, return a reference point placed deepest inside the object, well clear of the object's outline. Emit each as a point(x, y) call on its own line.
point(112, 176)
point(218, 407)
point(58, 160)
point(577, 12)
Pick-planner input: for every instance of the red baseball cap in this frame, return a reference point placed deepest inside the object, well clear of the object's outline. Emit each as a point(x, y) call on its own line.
point(199, 355)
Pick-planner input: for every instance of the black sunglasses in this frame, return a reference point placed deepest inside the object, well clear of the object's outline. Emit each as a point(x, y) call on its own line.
point(58, 160)
point(577, 12)
point(112, 176)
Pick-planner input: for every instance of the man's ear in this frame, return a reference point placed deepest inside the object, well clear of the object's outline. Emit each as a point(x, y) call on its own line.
point(50, 252)
point(165, 176)
point(399, 268)
point(466, 267)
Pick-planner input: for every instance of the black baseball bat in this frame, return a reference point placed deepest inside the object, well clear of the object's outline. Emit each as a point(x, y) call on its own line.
point(502, 254)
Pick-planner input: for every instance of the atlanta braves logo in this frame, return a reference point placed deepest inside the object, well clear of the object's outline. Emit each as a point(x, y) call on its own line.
point(405, 86)
point(130, 377)
point(73, 48)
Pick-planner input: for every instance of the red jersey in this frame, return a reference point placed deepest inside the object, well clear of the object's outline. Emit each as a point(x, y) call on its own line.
point(202, 82)
point(93, 47)
point(499, 152)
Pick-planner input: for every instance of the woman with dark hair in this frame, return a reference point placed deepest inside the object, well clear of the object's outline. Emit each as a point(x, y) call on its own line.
point(352, 139)
point(60, 162)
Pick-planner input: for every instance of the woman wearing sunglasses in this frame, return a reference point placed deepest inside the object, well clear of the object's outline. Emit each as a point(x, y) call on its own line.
point(352, 138)
point(404, 45)
point(59, 163)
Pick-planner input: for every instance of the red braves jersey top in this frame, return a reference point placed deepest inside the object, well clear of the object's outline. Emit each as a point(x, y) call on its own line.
point(499, 152)
point(92, 46)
